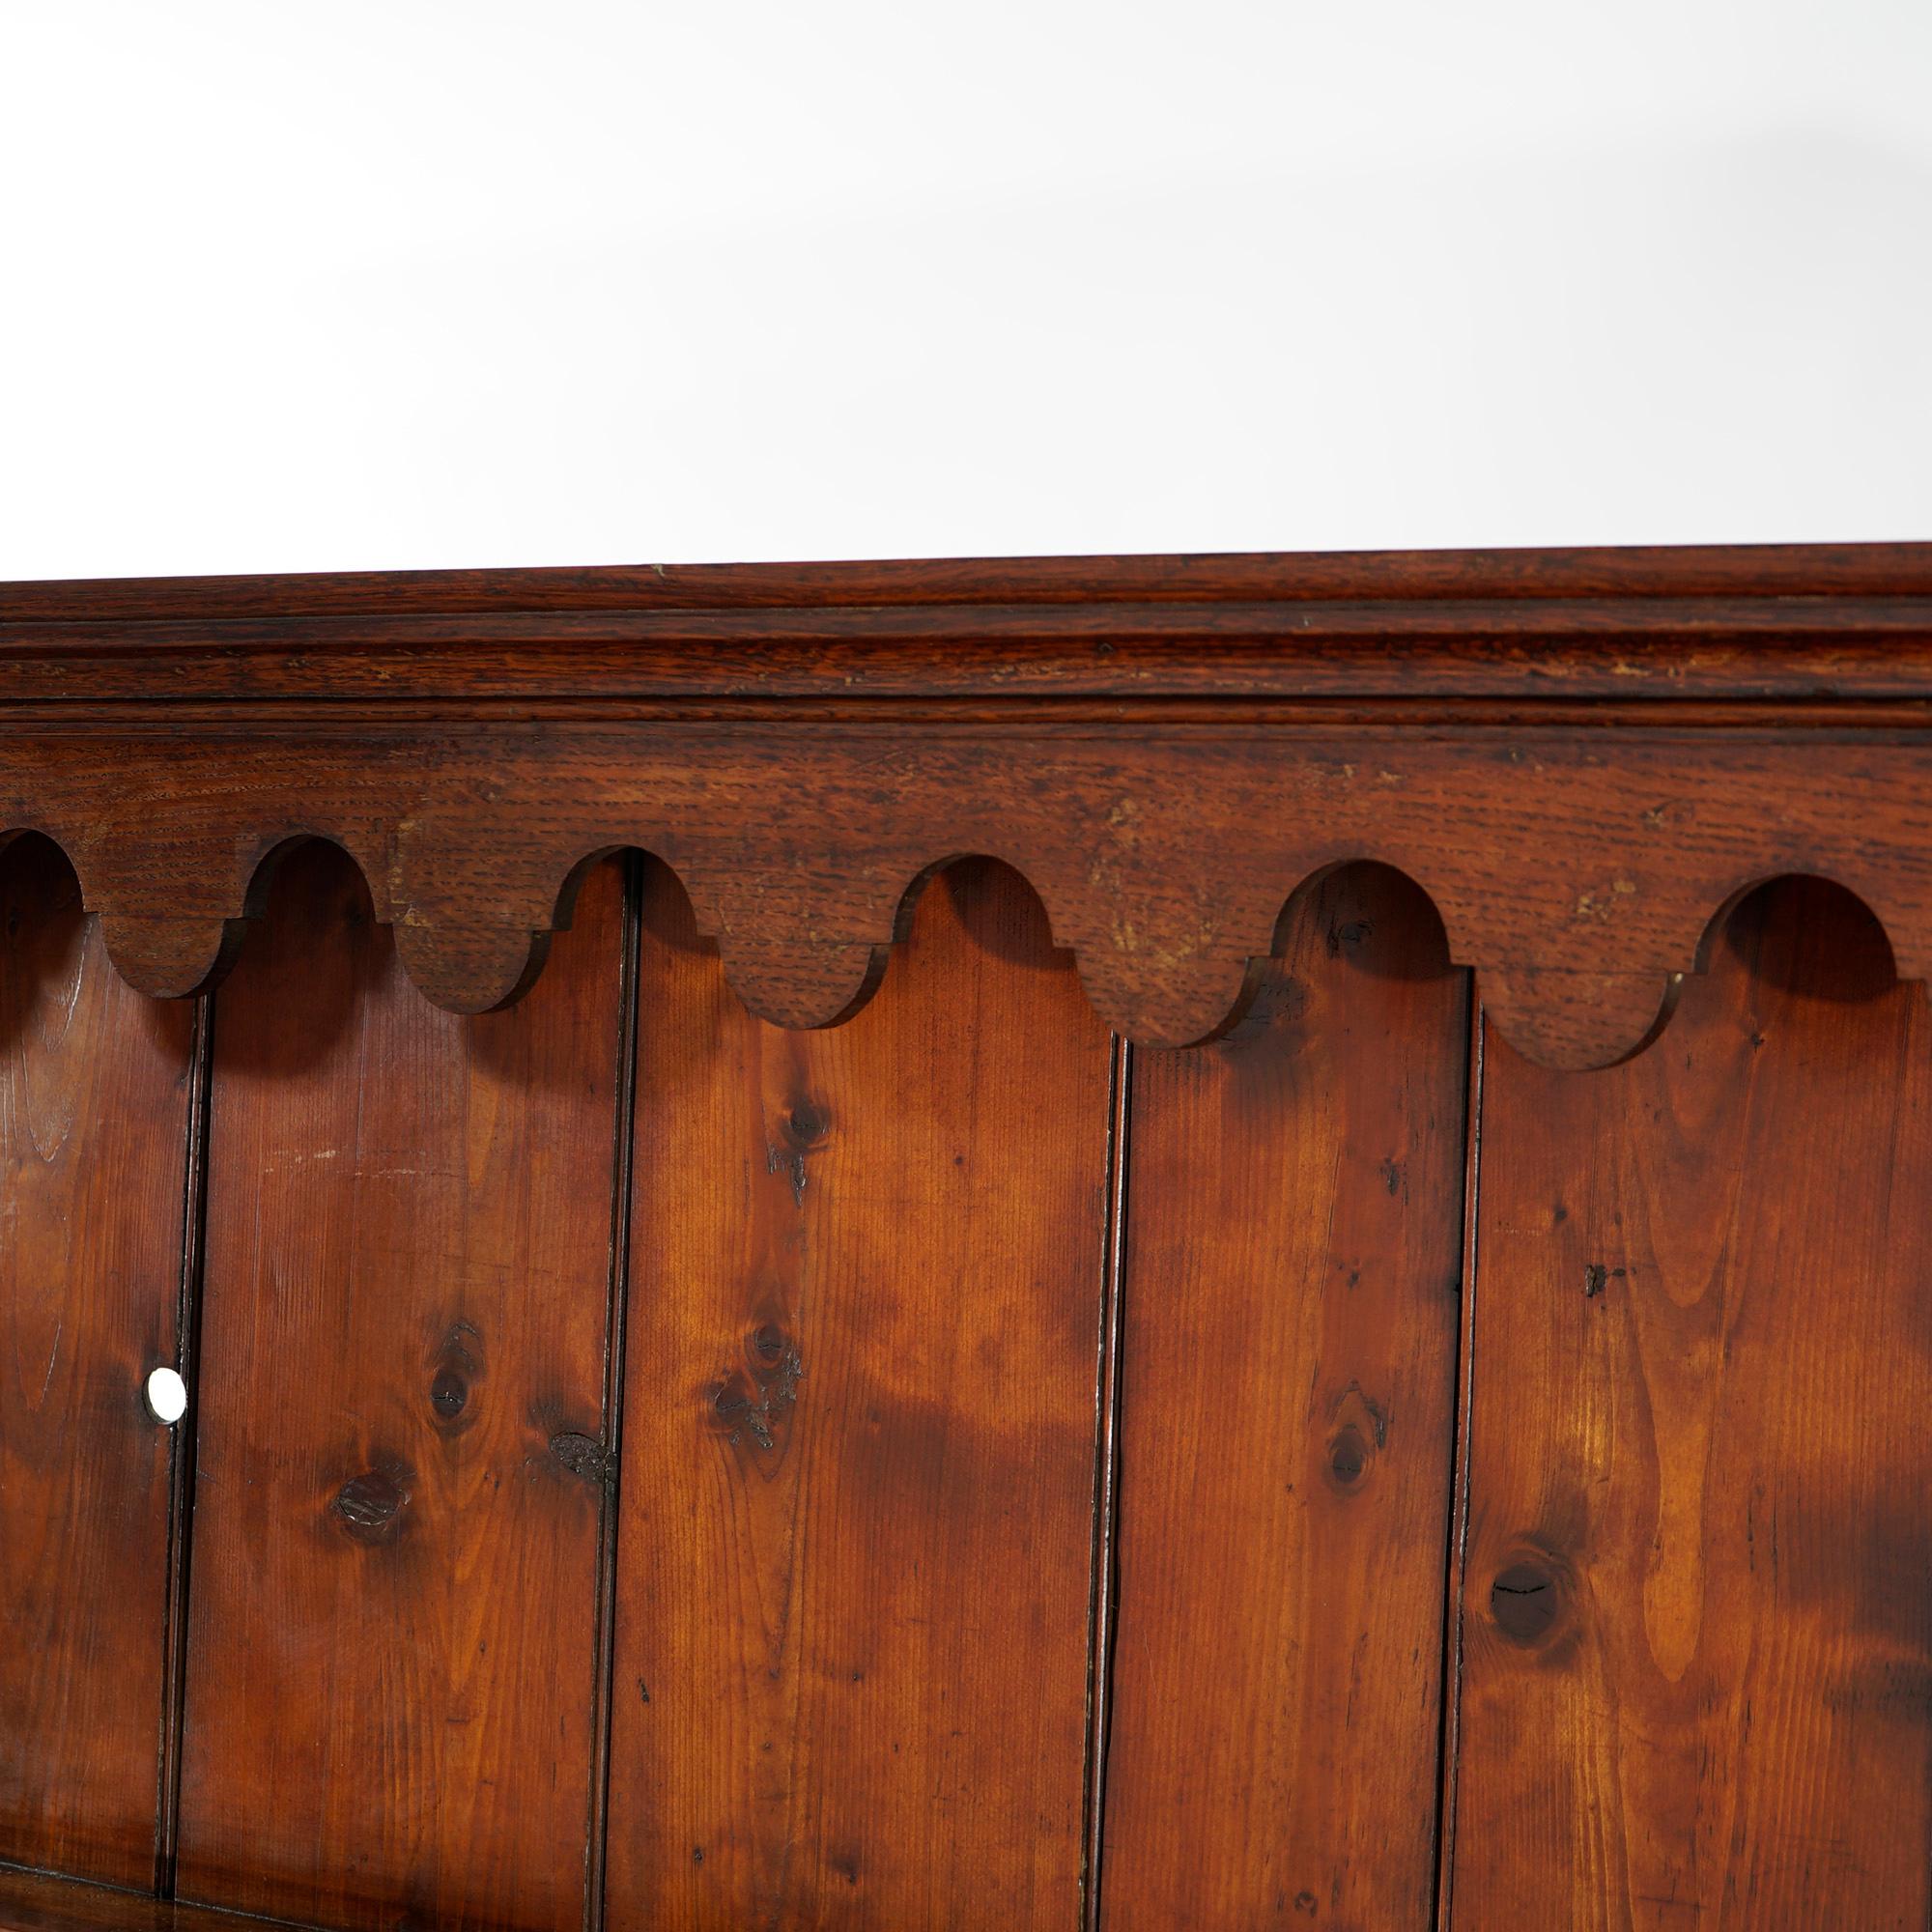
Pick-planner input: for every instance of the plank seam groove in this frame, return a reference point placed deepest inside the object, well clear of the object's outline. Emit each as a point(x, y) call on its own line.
point(1458, 1541)
point(182, 1452)
point(623, 1142)
point(1105, 1599)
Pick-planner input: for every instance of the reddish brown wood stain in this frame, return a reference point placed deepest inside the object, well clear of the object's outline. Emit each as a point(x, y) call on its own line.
point(36, 1902)
point(1041, 1495)
point(94, 1121)
point(393, 1656)
point(1293, 1255)
point(859, 1441)
point(1697, 1620)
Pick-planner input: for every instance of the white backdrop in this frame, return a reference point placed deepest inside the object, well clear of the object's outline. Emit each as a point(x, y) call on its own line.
point(424, 283)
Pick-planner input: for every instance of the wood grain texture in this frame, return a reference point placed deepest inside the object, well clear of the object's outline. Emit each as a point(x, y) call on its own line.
point(1288, 1320)
point(1581, 757)
point(1697, 1621)
point(94, 1125)
point(858, 1448)
point(401, 1477)
point(1578, 860)
point(859, 1523)
point(1763, 571)
point(38, 1902)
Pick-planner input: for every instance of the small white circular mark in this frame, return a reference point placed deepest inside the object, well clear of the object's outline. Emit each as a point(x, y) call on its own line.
point(167, 1395)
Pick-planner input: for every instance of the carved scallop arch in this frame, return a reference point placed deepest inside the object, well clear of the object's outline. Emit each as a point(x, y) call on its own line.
point(817, 981)
point(800, 960)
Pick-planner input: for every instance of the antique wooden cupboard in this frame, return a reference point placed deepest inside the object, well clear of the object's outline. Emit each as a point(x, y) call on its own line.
point(1191, 1242)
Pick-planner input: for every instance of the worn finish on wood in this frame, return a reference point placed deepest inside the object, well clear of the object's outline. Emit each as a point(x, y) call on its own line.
point(94, 1122)
point(1289, 1316)
point(392, 1641)
point(1581, 758)
point(1700, 574)
point(1033, 1506)
point(858, 1471)
point(1697, 1622)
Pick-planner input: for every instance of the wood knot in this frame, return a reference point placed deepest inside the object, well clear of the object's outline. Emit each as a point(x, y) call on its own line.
point(767, 1346)
point(455, 1364)
point(801, 1131)
point(1348, 1456)
point(1525, 1601)
point(370, 1506)
point(581, 1455)
point(1357, 1432)
point(757, 1398)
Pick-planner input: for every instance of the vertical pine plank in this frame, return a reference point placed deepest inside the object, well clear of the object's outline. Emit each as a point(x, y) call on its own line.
point(1697, 1619)
point(94, 1123)
point(391, 1653)
point(1294, 1230)
point(860, 1437)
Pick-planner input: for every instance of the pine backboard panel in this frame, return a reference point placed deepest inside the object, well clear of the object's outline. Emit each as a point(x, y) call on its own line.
point(1697, 1614)
point(392, 1660)
point(1289, 1314)
point(95, 1118)
point(860, 1439)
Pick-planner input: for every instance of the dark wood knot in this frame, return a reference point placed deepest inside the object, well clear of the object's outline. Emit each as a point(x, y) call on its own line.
point(1348, 1456)
point(1357, 1432)
point(1525, 1601)
point(756, 1400)
point(768, 1346)
point(370, 1506)
point(581, 1455)
point(455, 1367)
